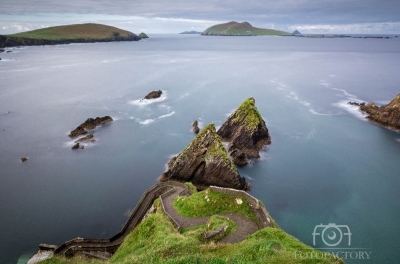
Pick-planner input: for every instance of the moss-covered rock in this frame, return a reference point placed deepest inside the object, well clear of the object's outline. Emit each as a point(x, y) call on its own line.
point(387, 115)
point(205, 162)
point(245, 130)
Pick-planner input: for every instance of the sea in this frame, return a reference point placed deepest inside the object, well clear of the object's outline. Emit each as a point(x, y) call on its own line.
point(330, 178)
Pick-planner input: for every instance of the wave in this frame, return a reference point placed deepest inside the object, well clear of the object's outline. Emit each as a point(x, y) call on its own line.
point(316, 113)
point(146, 122)
point(151, 120)
point(167, 115)
point(352, 109)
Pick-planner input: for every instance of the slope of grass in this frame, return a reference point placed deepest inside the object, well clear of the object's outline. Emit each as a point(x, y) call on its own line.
point(78, 31)
point(241, 29)
point(156, 240)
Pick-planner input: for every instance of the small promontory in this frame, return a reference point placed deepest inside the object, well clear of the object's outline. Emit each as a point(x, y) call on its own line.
point(205, 162)
point(246, 132)
point(386, 115)
point(234, 28)
point(143, 35)
point(79, 33)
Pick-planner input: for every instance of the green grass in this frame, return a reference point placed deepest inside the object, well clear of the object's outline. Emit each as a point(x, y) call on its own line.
point(208, 203)
point(216, 150)
point(78, 31)
point(156, 240)
point(241, 29)
point(192, 189)
point(248, 113)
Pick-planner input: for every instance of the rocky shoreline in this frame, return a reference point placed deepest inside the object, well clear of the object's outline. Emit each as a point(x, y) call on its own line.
point(386, 115)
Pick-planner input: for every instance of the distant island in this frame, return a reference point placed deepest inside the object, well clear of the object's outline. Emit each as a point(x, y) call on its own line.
point(78, 33)
point(234, 28)
point(191, 32)
point(143, 35)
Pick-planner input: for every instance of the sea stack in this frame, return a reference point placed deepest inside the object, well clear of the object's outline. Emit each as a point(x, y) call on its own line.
point(143, 35)
point(246, 132)
point(205, 162)
point(386, 115)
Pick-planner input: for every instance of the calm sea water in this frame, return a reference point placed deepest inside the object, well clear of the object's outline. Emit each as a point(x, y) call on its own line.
point(326, 163)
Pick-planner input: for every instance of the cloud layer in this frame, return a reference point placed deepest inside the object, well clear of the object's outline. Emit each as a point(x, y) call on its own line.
point(284, 14)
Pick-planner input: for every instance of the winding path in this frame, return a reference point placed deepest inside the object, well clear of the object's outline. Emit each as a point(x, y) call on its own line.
point(167, 191)
point(245, 226)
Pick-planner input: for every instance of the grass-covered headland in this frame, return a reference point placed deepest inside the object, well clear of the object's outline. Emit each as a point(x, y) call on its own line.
point(78, 33)
point(156, 240)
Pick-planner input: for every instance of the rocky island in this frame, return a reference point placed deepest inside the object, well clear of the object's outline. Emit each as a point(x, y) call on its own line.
point(79, 33)
point(205, 162)
point(143, 35)
point(386, 115)
point(246, 132)
point(234, 28)
point(153, 95)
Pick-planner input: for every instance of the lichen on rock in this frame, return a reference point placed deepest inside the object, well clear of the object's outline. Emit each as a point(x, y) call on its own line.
point(205, 162)
point(386, 115)
point(245, 130)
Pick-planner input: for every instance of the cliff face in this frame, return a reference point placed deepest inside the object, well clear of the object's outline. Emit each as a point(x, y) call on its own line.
point(245, 130)
point(387, 115)
point(205, 162)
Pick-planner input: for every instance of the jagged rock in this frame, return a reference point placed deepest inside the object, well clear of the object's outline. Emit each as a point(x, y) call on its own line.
point(76, 146)
point(245, 130)
point(85, 138)
point(24, 159)
point(386, 115)
point(205, 162)
point(90, 123)
point(196, 129)
point(153, 95)
point(239, 158)
point(354, 103)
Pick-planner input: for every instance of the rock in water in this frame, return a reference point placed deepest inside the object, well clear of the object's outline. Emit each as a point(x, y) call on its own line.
point(387, 115)
point(153, 95)
point(196, 128)
point(245, 130)
point(205, 162)
point(90, 123)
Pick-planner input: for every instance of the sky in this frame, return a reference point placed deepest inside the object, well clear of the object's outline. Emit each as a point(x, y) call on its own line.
point(174, 16)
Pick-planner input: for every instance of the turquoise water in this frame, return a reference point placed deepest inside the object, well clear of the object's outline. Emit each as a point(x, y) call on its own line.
point(326, 163)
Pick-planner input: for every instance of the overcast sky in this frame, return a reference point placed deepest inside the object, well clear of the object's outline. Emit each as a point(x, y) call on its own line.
point(174, 16)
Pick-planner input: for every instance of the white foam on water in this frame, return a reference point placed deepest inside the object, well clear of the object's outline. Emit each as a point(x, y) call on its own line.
point(352, 109)
point(316, 113)
point(167, 115)
point(146, 122)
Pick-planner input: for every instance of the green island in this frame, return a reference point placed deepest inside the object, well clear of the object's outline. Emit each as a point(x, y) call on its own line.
point(156, 239)
point(78, 33)
point(234, 28)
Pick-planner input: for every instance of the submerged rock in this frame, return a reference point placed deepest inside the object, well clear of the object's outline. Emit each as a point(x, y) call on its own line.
point(386, 115)
point(90, 123)
point(85, 138)
point(153, 95)
point(245, 130)
point(205, 162)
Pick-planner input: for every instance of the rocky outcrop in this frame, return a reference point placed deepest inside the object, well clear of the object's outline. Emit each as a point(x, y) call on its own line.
point(143, 35)
point(89, 136)
point(246, 132)
point(90, 123)
point(153, 95)
point(239, 158)
point(195, 126)
point(386, 115)
point(24, 159)
point(205, 162)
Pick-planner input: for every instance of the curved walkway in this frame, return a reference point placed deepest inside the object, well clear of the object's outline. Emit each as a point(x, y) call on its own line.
point(245, 226)
point(167, 191)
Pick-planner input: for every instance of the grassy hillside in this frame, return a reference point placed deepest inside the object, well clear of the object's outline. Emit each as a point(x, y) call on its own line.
point(92, 31)
point(79, 33)
point(156, 240)
point(241, 29)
